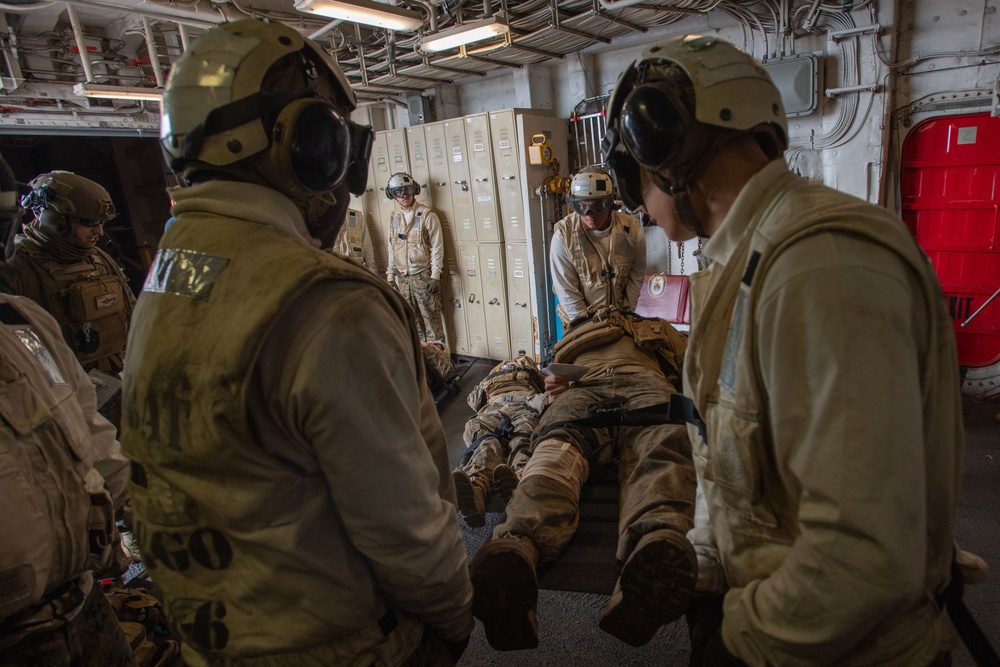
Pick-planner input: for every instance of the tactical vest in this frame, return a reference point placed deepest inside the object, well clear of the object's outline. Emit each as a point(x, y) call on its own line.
point(411, 250)
point(351, 239)
point(225, 552)
point(722, 377)
point(604, 281)
point(58, 517)
point(90, 300)
point(507, 380)
point(609, 325)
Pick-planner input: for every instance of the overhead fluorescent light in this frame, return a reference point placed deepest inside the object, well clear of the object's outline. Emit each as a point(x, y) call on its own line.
point(467, 33)
point(377, 14)
point(118, 92)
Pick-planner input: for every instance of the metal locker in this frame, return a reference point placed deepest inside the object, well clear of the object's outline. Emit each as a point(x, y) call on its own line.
point(416, 144)
point(503, 137)
point(453, 303)
point(372, 199)
point(495, 299)
point(482, 182)
point(396, 143)
point(437, 172)
point(521, 318)
point(472, 299)
point(381, 171)
point(461, 192)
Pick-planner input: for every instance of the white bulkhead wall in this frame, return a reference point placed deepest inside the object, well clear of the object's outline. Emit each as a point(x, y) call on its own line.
point(931, 57)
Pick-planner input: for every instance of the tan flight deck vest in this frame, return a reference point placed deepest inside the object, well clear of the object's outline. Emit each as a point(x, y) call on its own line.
point(351, 239)
point(411, 255)
point(90, 300)
point(752, 519)
point(199, 326)
point(58, 518)
point(598, 290)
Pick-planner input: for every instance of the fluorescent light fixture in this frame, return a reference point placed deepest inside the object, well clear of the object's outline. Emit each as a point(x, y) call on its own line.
point(493, 26)
point(377, 14)
point(118, 92)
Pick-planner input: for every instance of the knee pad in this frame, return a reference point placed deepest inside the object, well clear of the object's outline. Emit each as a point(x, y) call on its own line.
point(559, 461)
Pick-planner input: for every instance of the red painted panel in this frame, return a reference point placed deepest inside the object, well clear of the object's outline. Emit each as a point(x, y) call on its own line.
point(950, 187)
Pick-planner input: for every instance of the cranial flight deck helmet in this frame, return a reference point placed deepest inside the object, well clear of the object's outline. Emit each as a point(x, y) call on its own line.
point(671, 112)
point(591, 191)
point(401, 184)
point(59, 198)
point(253, 89)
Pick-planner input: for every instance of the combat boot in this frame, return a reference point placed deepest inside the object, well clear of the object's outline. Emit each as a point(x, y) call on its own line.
point(505, 596)
point(504, 482)
point(655, 587)
point(470, 492)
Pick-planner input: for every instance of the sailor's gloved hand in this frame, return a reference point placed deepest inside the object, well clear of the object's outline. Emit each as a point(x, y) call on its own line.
point(704, 619)
point(434, 286)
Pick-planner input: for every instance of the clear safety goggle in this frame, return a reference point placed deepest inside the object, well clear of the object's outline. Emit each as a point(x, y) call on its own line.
point(591, 206)
point(403, 191)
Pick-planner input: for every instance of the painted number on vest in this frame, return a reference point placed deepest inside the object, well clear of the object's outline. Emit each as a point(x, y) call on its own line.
point(204, 628)
point(208, 548)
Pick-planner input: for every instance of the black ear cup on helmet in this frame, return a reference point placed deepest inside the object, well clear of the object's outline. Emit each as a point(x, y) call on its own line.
point(412, 185)
point(317, 148)
point(53, 222)
point(652, 127)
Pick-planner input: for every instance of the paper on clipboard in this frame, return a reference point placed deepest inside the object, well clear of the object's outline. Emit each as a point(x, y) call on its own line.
point(572, 371)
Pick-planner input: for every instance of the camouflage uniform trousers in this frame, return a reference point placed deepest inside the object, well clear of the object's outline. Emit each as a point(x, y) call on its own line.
point(492, 450)
point(416, 290)
point(656, 475)
point(93, 638)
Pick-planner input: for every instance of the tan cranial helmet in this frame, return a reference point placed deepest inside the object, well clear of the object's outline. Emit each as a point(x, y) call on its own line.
point(591, 183)
point(673, 109)
point(401, 184)
point(59, 198)
point(251, 89)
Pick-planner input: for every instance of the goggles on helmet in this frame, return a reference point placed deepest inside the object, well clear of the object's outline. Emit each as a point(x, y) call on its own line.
point(88, 223)
point(591, 206)
point(403, 191)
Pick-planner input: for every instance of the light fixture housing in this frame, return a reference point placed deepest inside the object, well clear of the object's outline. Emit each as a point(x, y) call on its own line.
point(118, 92)
point(467, 33)
point(367, 12)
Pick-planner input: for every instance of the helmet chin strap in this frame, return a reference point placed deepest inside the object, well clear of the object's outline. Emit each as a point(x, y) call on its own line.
point(685, 212)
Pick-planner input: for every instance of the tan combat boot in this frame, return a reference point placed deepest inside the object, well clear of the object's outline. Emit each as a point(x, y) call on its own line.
point(470, 492)
point(654, 588)
point(505, 594)
point(504, 482)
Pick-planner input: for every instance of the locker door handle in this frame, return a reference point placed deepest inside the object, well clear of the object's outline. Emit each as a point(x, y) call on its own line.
point(494, 301)
point(472, 298)
point(520, 305)
point(456, 303)
point(482, 179)
point(508, 178)
point(441, 184)
point(465, 186)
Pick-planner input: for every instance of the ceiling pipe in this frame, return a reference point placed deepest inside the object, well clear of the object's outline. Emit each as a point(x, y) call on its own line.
point(183, 31)
point(81, 46)
point(154, 57)
point(325, 29)
point(160, 16)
